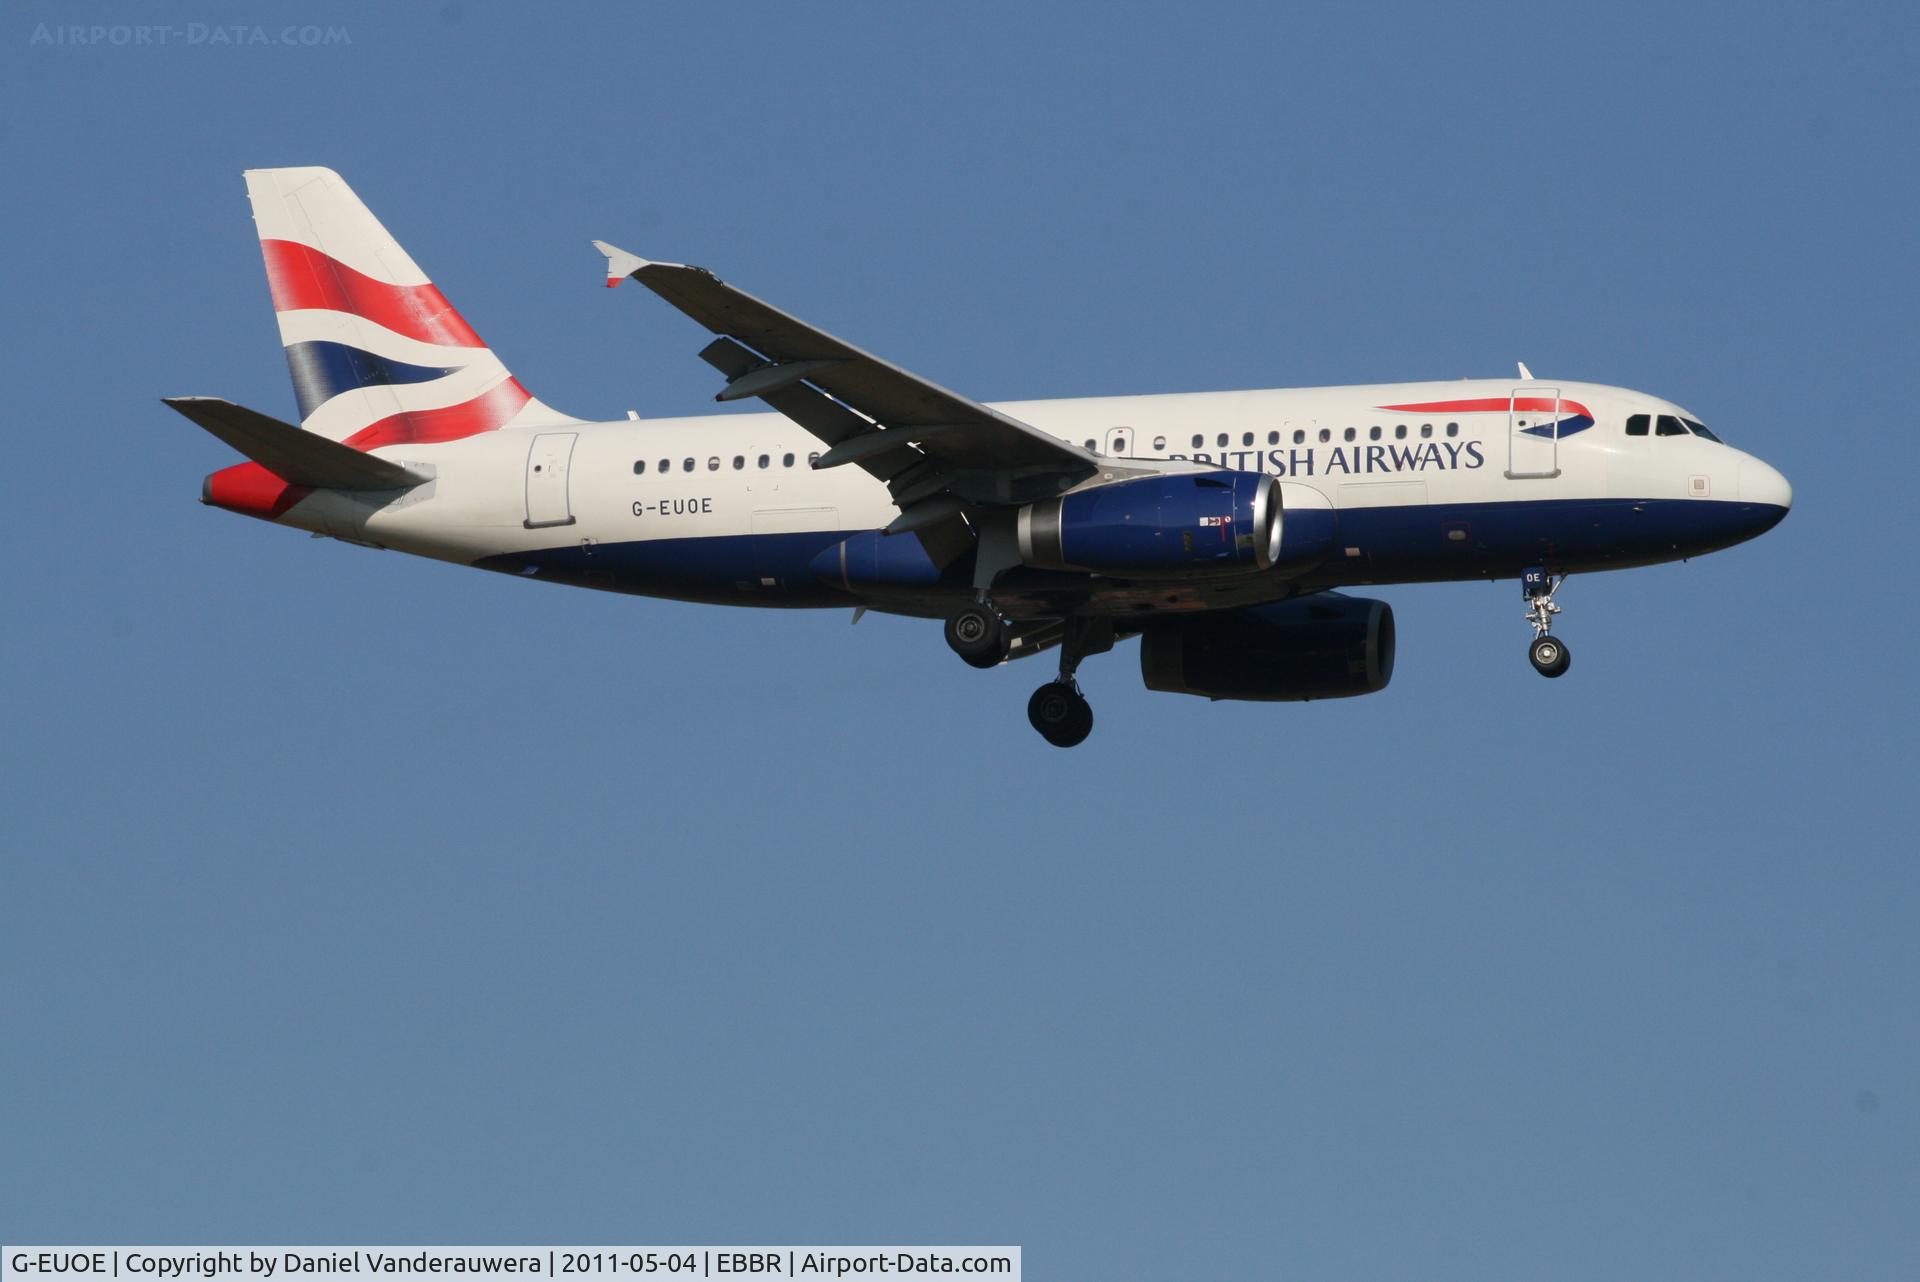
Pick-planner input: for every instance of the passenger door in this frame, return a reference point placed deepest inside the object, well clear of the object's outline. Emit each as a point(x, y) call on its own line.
point(548, 502)
point(1533, 433)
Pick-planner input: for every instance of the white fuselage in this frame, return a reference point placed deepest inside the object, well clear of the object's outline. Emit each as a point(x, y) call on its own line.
point(1457, 488)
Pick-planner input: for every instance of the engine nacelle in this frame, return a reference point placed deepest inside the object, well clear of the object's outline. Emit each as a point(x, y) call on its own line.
point(1324, 646)
point(1158, 527)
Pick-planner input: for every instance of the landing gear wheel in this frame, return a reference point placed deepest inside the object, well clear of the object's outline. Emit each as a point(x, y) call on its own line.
point(1549, 655)
point(1060, 713)
point(978, 635)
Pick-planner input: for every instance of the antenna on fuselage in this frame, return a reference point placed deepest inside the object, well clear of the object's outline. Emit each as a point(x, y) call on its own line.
point(1526, 374)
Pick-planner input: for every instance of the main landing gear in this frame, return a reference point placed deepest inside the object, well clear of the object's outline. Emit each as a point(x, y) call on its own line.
point(1057, 709)
point(1548, 654)
point(1061, 713)
point(980, 635)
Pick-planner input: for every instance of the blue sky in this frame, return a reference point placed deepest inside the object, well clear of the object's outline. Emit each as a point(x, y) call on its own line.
point(354, 898)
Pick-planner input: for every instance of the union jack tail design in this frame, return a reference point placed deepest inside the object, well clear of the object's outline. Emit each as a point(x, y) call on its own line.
point(378, 355)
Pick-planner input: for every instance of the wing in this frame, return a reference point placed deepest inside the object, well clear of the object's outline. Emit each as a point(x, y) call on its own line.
point(938, 452)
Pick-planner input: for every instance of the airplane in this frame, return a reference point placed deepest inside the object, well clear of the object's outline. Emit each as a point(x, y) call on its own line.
point(1217, 527)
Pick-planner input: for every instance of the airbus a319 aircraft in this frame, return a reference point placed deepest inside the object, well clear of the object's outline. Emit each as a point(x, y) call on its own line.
point(1214, 526)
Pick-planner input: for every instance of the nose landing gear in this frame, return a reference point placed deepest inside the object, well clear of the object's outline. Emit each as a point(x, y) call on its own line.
point(1549, 655)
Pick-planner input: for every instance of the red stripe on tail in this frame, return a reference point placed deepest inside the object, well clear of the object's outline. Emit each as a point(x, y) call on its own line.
point(302, 278)
point(484, 413)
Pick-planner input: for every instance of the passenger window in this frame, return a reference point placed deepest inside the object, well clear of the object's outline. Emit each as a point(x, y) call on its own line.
point(1159, 443)
point(1373, 433)
point(1637, 424)
point(666, 465)
point(1668, 425)
point(1426, 430)
point(1399, 431)
point(813, 458)
point(738, 462)
point(686, 465)
point(1326, 434)
point(1247, 438)
point(1273, 438)
point(1223, 440)
point(764, 460)
point(786, 460)
point(1089, 444)
point(1349, 433)
point(1453, 429)
point(1299, 437)
point(1198, 441)
point(713, 464)
point(640, 467)
point(1700, 429)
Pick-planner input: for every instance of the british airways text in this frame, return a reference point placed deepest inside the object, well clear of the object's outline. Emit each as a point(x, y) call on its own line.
point(1442, 456)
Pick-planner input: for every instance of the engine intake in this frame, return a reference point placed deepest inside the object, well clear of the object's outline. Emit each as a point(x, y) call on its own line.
point(1178, 526)
point(1324, 646)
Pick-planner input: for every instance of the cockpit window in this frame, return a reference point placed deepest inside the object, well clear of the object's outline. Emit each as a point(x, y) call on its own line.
point(1637, 424)
point(1670, 426)
point(1700, 429)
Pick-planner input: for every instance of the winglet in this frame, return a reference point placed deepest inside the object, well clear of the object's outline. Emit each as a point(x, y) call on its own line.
point(620, 264)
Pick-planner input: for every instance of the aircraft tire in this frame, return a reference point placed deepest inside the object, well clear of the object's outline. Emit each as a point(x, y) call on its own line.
point(1059, 712)
point(1549, 656)
point(978, 635)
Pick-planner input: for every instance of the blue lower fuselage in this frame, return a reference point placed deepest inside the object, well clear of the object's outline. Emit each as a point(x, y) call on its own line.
point(1374, 545)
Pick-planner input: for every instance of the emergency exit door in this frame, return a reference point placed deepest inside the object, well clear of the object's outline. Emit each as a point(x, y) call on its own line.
point(548, 502)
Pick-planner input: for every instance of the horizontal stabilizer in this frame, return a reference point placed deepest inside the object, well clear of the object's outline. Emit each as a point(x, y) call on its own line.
point(292, 454)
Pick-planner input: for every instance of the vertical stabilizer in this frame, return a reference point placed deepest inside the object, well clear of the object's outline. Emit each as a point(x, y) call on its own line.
point(378, 355)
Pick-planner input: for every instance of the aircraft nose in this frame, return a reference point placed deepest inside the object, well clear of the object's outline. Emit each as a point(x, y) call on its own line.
point(1762, 483)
